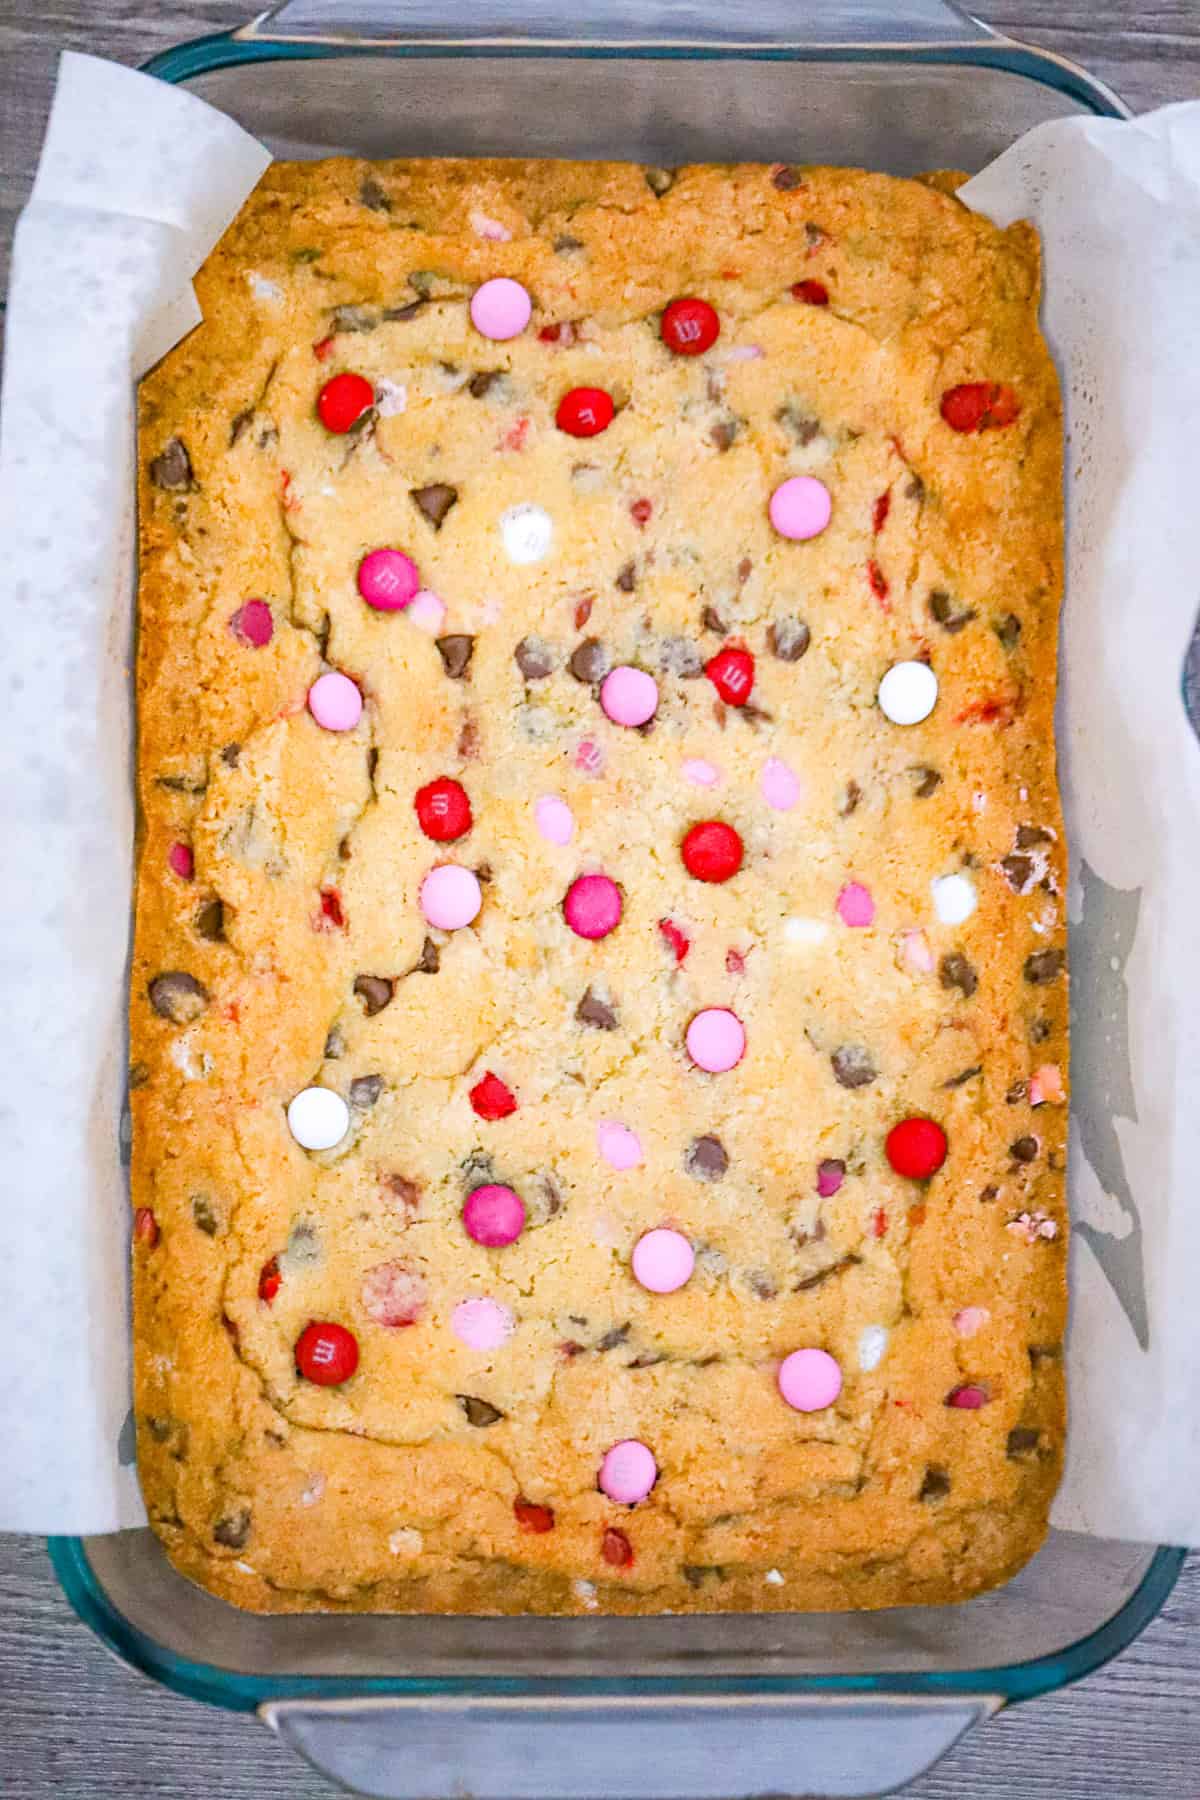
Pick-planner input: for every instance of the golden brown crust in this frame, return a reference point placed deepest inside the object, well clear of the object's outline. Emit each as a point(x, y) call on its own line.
point(381, 1495)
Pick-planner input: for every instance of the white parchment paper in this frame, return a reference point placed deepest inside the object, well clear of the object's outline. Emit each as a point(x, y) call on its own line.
point(137, 181)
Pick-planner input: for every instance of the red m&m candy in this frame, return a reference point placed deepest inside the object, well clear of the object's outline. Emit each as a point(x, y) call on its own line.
point(492, 1098)
point(585, 412)
point(690, 327)
point(443, 810)
point(979, 406)
point(916, 1148)
point(326, 1354)
point(270, 1280)
point(343, 401)
point(731, 672)
point(712, 851)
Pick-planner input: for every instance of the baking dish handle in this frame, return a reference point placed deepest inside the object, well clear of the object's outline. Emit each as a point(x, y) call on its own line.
point(622, 23)
point(697, 1747)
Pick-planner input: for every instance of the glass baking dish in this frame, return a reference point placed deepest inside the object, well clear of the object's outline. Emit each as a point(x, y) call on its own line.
point(839, 1704)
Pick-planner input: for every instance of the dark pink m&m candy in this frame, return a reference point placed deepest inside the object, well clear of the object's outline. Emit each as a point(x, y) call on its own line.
point(592, 906)
point(494, 1216)
point(388, 580)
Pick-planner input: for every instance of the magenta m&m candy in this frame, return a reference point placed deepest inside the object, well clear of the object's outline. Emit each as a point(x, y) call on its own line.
point(663, 1261)
point(335, 702)
point(855, 905)
point(494, 1216)
point(629, 696)
point(800, 508)
point(500, 309)
point(810, 1380)
point(628, 1472)
point(592, 906)
point(450, 897)
point(252, 624)
point(716, 1040)
point(387, 579)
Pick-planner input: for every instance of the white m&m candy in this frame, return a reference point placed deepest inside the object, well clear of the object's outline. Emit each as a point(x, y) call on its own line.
point(954, 898)
point(527, 532)
point(318, 1118)
point(908, 693)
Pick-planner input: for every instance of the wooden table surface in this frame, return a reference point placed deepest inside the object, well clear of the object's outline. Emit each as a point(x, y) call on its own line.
point(74, 1723)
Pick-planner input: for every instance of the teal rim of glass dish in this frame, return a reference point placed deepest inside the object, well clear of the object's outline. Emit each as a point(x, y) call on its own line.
point(203, 56)
point(244, 1693)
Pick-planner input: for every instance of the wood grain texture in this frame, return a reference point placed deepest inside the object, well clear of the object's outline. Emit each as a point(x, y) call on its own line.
point(73, 1723)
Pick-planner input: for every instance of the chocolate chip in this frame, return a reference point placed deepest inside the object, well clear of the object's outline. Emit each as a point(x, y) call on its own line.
point(401, 1190)
point(172, 468)
point(711, 620)
point(788, 639)
point(210, 920)
point(850, 797)
point(943, 609)
point(612, 1340)
point(800, 425)
point(241, 423)
point(915, 489)
point(479, 1412)
point(990, 1192)
point(233, 1529)
point(679, 656)
point(925, 780)
point(468, 740)
point(853, 1066)
point(823, 1275)
point(706, 1158)
point(565, 244)
point(534, 658)
point(935, 1485)
point(335, 1044)
point(434, 501)
point(627, 577)
point(373, 195)
point(230, 754)
point(1018, 872)
point(203, 1216)
point(954, 971)
point(1044, 966)
point(1028, 836)
point(786, 179)
point(365, 1091)
point(1022, 1440)
point(659, 180)
point(589, 661)
point(1008, 630)
point(481, 384)
point(159, 1429)
point(723, 433)
point(401, 315)
point(964, 1075)
point(178, 997)
point(375, 992)
point(1017, 1093)
point(354, 318)
point(430, 960)
point(594, 1011)
point(1024, 1150)
point(456, 652)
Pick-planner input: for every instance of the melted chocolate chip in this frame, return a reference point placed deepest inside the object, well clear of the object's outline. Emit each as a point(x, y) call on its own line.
point(534, 658)
point(178, 997)
point(481, 384)
point(788, 639)
point(853, 1066)
point(1022, 1441)
point(365, 1090)
point(373, 195)
point(139, 1075)
point(786, 179)
point(230, 754)
point(241, 423)
point(935, 1485)
point(851, 795)
point(596, 1012)
point(706, 1158)
point(1039, 1030)
point(401, 315)
point(1008, 630)
point(612, 1340)
point(589, 661)
point(375, 992)
point(627, 577)
point(1024, 1150)
point(479, 1412)
point(697, 1575)
point(354, 318)
point(823, 1275)
point(203, 1216)
point(915, 489)
point(1018, 872)
point(468, 739)
point(1044, 966)
point(335, 1044)
point(925, 780)
point(659, 180)
point(565, 244)
point(303, 1245)
point(1017, 1093)
point(954, 971)
point(800, 425)
point(679, 656)
point(762, 1286)
point(434, 501)
point(233, 1529)
point(1028, 836)
point(210, 920)
point(711, 620)
point(723, 433)
point(172, 468)
point(456, 652)
point(964, 1075)
point(942, 608)
point(430, 960)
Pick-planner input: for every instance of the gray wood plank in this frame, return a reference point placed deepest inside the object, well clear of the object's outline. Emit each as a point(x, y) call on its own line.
point(75, 1724)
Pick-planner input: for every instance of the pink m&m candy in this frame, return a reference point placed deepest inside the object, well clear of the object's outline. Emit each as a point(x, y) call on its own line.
point(387, 579)
point(494, 1216)
point(855, 905)
point(716, 1040)
point(592, 907)
point(554, 818)
point(450, 897)
point(629, 696)
point(810, 1380)
point(334, 702)
point(481, 1324)
point(663, 1261)
point(628, 1472)
point(801, 507)
point(620, 1147)
point(500, 309)
point(253, 624)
